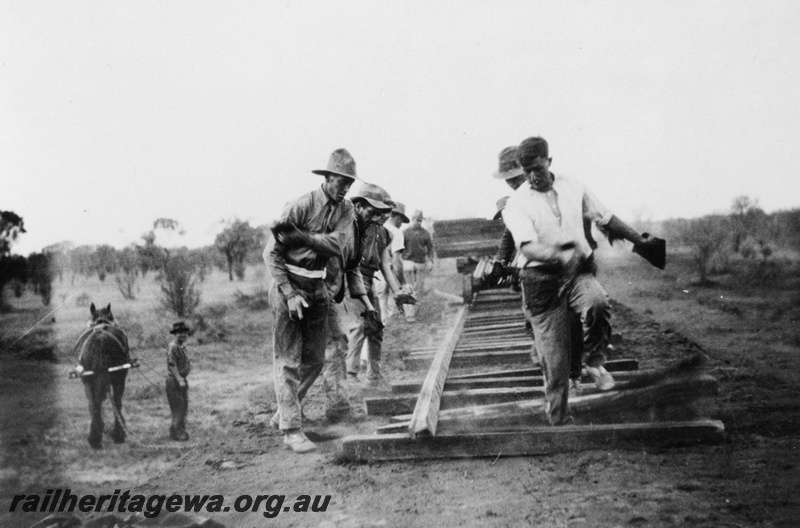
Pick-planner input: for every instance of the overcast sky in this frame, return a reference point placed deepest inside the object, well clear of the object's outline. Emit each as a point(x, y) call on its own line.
point(115, 113)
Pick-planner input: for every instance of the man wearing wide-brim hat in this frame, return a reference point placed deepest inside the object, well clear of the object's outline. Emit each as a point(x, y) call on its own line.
point(345, 270)
point(376, 266)
point(311, 230)
point(508, 168)
point(176, 385)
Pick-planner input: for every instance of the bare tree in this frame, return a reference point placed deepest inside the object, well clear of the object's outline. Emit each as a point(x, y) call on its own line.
point(127, 271)
point(178, 285)
point(746, 220)
point(104, 261)
point(707, 236)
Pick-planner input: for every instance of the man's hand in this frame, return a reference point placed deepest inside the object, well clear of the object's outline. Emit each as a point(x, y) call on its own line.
point(653, 250)
point(498, 270)
point(296, 304)
point(288, 234)
point(566, 255)
point(372, 323)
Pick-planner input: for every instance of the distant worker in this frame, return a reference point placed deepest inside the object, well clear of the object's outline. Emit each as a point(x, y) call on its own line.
point(178, 368)
point(510, 171)
point(418, 259)
point(311, 230)
point(396, 219)
point(546, 219)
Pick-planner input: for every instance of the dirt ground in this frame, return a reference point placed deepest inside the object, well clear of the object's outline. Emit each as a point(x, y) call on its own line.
point(747, 324)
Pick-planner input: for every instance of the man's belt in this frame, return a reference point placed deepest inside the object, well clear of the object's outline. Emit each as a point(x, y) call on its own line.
point(302, 272)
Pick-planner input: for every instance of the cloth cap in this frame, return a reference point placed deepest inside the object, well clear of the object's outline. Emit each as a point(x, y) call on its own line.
point(341, 163)
point(508, 166)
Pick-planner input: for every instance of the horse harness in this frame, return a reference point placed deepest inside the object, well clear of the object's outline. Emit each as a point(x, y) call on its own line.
point(100, 327)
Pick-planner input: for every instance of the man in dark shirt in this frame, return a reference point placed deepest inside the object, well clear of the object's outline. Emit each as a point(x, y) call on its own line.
point(417, 261)
point(368, 205)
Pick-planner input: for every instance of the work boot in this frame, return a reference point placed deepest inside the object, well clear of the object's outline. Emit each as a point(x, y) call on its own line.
point(602, 379)
point(575, 387)
point(298, 442)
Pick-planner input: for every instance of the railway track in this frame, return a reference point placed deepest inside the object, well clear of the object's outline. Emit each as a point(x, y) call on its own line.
point(483, 396)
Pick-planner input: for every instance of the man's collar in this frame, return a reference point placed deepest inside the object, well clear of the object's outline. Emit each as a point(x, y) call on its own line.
point(325, 194)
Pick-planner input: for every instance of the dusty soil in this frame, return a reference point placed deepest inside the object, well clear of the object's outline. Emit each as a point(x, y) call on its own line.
point(747, 324)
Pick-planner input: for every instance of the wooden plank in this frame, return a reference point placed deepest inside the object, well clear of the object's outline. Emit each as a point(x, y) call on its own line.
point(490, 327)
point(426, 412)
point(404, 387)
point(463, 360)
point(478, 247)
point(394, 428)
point(453, 233)
point(537, 441)
point(499, 315)
point(588, 408)
point(612, 365)
point(501, 347)
point(400, 404)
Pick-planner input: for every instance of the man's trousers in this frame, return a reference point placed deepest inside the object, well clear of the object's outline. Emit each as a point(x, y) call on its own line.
point(415, 274)
point(178, 398)
point(298, 346)
point(549, 304)
point(333, 373)
point(357, 337)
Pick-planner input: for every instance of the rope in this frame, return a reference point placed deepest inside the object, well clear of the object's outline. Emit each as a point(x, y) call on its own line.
point(29, 330)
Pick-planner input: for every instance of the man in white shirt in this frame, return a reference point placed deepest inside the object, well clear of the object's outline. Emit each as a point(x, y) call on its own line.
point(397, 219)
point(546, 219)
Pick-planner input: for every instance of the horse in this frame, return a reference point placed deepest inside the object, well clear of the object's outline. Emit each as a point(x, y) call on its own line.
point(103, 348)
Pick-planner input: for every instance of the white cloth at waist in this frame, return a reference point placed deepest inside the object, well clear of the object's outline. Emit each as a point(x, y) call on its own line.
point(302, 272)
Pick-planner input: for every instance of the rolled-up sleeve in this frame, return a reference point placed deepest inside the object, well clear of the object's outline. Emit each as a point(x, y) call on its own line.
point(594, 210)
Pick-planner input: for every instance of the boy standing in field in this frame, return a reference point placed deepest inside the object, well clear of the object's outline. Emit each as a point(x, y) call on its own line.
point(178, 367)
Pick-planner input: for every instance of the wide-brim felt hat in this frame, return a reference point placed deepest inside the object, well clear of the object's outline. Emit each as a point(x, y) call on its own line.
point(373, 195)
point(508, 167)
point(341, 163)
point(400, 209)
point(180, 328)
point(501, 204)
